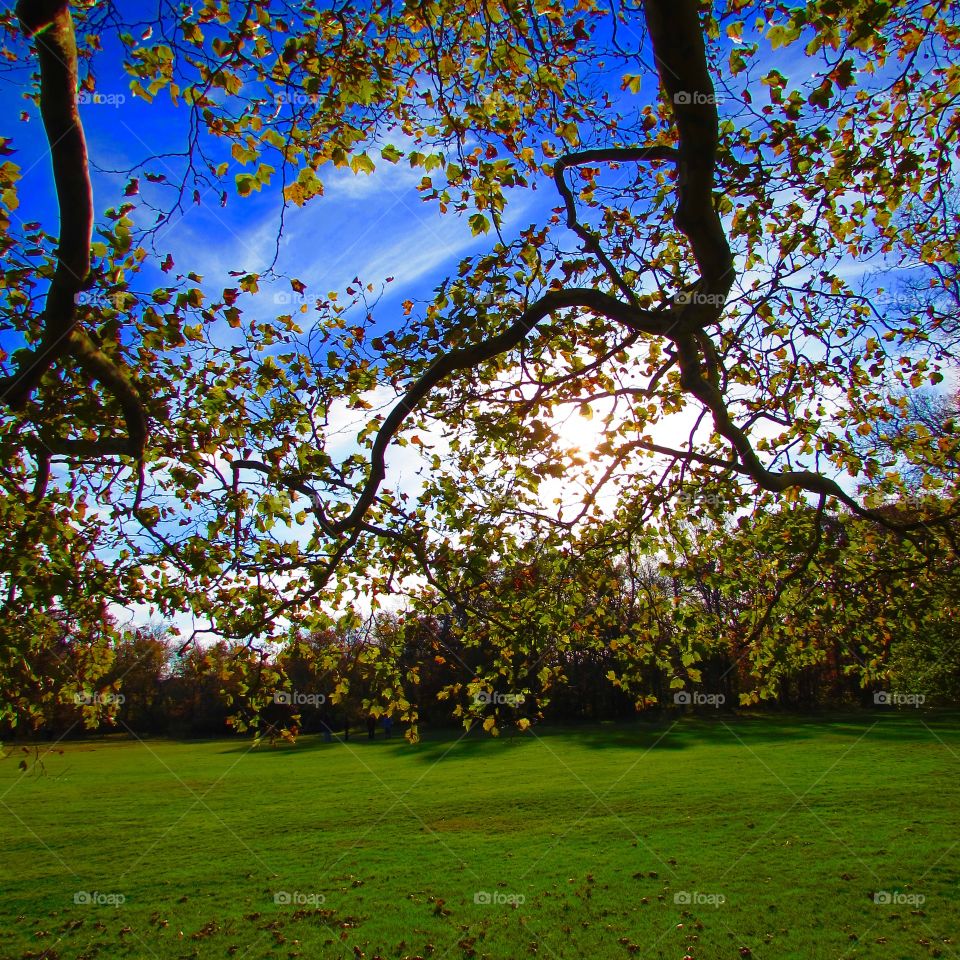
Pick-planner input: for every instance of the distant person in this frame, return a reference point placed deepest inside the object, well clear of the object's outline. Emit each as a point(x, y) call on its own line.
point(371, 726)
point(387, 726)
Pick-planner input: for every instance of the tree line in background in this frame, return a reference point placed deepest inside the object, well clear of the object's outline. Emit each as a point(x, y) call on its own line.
point(792, 608)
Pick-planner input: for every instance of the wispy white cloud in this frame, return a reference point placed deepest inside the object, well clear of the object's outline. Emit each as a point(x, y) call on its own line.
point(370, 226)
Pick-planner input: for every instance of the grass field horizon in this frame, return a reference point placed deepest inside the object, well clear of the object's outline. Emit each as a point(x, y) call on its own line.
point(764, 837)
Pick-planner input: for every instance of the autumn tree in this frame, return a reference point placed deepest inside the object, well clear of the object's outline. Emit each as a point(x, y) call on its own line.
point(711, 200)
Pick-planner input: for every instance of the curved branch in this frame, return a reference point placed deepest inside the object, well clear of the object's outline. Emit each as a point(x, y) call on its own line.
point(82, 449)
point(43, 475)
point(658, 323)
point(50, 23)
point(115, 378)
point(607, 155)
point(708, 393)
point(705, 389)
point(681, 61)
point(680, 56)
point(291, 482)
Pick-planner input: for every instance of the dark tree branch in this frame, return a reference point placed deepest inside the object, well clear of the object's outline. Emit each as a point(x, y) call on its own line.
point(116, 379)
point(681, 60)
point(292, 482)
point(610, 155)
point(50, 23)
point(651, 322)
point(680, 55)
point(76, 448)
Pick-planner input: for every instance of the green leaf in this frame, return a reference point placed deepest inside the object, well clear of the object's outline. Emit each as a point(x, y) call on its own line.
point(246, 184)
point(362, 163)
point(479, 224)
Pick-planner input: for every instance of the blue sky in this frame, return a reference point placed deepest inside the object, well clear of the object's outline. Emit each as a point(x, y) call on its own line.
point(372, 226)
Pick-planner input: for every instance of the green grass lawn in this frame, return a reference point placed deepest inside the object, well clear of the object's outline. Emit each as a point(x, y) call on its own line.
point(768, 838)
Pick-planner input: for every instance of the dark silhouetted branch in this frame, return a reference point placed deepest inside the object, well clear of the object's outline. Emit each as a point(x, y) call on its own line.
point(50, 24)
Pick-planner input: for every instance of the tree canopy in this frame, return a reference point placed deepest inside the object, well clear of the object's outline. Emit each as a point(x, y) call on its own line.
point(741, 279)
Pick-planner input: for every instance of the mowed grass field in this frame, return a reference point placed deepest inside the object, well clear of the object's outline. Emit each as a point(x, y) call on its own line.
point(763, 838)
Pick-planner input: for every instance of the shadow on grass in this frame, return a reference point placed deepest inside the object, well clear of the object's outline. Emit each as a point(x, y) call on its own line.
point(665, 733)
point(678, 733)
